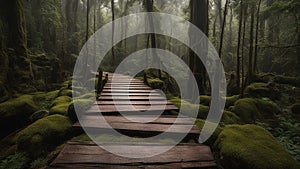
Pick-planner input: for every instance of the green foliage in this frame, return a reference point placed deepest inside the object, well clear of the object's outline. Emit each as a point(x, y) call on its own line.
point(249, 109)
point(43, 135)
point(15, 161)
point(250, 146)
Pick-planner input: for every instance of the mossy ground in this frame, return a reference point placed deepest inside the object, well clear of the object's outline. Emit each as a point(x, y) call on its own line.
point(250, 146)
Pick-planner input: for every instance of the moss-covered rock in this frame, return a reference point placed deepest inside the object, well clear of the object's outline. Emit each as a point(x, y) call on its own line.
point(250, 146)
point(155, 83)
point(15, 113)
point(61, 109)
point(38, 115)
point(51, 95)
point(250, 109)
point(65, 92)
point(230, 118)
point(43, 135)
point(200, 123)
point(295, 81)
point(259, 90)
point(205, 100)
point(186, 107)
point(61, 100)
point(81, 105)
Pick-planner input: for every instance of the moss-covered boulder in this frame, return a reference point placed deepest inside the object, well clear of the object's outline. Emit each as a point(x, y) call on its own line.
point(250, 109)
point(61, 109)
point(60, 100)
point(81, 105)
point(259, 90)
point(155, 83)
point(205, 100)
point(187, 107)
point(51, 95)
point(200, 123)
point(65, 92)
point(38, 115)
point(249, 147)
point(230, 118)
point(15, 113)
point(43, 135)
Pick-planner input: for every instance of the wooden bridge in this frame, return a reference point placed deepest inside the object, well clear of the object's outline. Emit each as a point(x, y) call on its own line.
point(83, 154)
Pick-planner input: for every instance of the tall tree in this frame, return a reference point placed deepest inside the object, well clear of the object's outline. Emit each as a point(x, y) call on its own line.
point(238, 57)
point(198, 16)
point(223, 28)
point(250, 62)
point(256, 37)
point(113, 32)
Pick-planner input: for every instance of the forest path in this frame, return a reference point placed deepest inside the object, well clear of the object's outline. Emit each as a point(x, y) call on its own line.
point(141, 103)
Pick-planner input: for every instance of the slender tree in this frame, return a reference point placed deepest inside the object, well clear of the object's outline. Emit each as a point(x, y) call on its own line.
point(256, 37)
point(250, 62)
point(113, 32)
point(238, 57)
point(223, 28)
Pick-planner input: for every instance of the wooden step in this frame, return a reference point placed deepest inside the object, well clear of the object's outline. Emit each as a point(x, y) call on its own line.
point(126, 108)
point(121, 102)
point(131, 94)
point(78, 154)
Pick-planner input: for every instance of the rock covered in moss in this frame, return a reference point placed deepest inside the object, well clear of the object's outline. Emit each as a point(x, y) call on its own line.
point(38, 115)
point(250, 146)
point(155, 83)
point(230, 118)
point(81, 105)
point(60, 100)
point(44, 134)
point(65, 92)
point(60, 105)
point(205, 100)
point(15, 113)
point(200, 123)
point(259, 90)
point(250, 109)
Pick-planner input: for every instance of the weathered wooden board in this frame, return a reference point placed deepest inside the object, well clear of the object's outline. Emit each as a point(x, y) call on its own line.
point(122, 102)
point(141, 98)
point(126, 108)
point(128, 91)
point(131, 94)
point(89, 154)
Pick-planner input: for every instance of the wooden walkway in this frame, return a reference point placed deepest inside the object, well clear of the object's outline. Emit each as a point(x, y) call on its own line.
point(145, 103)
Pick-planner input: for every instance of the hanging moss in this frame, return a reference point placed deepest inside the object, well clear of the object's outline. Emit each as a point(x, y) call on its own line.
point(250, 146)
point(43, 135)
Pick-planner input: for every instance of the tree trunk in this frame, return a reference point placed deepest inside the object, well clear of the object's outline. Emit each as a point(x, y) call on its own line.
point(198, 16)
point(245, 8)
point(113, 32)
point(223, 28)
point(238, 62)
point(87, 20)
point(250, 64)
point(256, 38)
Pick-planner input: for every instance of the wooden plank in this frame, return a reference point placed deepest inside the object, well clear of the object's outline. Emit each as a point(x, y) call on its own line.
point(128, 91)
point(180, 155)
point(120, 102)
point(142, 98)
point(126, 108)
point(130, 94)
point(127, 88)
point(137, 128)
point(121, 119)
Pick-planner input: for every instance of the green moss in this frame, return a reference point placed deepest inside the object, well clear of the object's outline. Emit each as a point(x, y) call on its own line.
point(87, 96)
point(200, 123)
point(250, 146)
point(38, 115)
point(287, 80)
point(43, 135)
point(230, 118)
point(81, 105)
point(61, 100)
point(205, 100)
point(51, 95)
point(186, 107)
point(15, 113)
point(155, 83)
point(61, 109)
point(65, 92)
point(259, 90)
point(249, 109)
